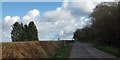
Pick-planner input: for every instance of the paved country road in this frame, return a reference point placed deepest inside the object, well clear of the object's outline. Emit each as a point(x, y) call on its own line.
point(86, 51)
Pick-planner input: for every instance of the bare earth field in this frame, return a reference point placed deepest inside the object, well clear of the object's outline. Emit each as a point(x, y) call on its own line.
point(29, 49)
point(0, 50)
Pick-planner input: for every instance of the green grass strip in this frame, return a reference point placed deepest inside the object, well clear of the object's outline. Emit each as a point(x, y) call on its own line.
point(63, 51)
point(108, 49)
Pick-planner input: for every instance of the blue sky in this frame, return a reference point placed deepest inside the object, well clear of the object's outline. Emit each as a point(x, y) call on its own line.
point(21, 8)
point(0, 22)
point(53, 19)
point(32, 0)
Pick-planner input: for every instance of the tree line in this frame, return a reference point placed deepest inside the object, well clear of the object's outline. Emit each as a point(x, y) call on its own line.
point(105, 25)
point(25, 32)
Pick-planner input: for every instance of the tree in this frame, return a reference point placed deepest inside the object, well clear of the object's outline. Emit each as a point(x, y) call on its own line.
point(105, 22)
point(32, 31)
point(104, 28)
point(16, 33)
point(24, 33)
point(76, 34)
point(85, 34)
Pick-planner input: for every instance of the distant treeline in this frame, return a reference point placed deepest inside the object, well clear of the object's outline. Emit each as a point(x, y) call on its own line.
point(105, 25)
point(25, 32)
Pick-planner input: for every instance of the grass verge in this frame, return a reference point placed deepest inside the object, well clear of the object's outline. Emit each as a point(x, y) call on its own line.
point(63, 51)
point(111, 50)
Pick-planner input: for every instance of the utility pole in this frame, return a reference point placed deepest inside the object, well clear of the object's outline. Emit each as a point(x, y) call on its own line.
point(58, 39)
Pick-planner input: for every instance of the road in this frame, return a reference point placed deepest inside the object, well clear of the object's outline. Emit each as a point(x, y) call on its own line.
point(86, 51)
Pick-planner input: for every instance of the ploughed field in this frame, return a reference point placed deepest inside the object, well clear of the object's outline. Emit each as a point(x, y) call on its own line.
point(31, 49)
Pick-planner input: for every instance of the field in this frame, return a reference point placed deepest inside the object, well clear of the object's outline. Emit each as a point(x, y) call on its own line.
point(31, 49)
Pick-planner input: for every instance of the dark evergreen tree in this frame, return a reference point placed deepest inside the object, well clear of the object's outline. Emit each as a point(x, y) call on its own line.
point(16, 32)
point(32, 31)
point(24, 33)
point(21, 32)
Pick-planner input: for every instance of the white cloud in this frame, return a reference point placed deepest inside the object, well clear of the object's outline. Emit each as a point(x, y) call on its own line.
point(32, 15)
point(80, 8)
point(61, 22)
point(92, 0)
point(57, 15)
point(7, 25)
point(52, 0)
point(10, 20)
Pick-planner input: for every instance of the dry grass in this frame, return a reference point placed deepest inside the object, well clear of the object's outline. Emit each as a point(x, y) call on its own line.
point(29, 49)
point(0, 51)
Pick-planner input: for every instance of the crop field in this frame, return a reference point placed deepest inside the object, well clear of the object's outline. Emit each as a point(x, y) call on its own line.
point(31, 49)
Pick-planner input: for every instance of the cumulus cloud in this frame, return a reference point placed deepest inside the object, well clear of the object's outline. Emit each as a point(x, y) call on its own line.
point(10, 20)
point(57, 15)
point(53, 24)
point(7, 26)
point(32, 15)
point(80, 8)
point(91, 0)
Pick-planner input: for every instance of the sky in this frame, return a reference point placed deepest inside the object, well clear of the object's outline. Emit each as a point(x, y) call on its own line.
point(21, 8)
point(53, 19)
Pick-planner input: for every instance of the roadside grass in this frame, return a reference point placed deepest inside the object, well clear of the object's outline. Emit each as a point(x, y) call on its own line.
point(111, 50)
point(63, 51)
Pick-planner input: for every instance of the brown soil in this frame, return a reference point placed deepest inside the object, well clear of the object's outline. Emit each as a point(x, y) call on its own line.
point(29, 49)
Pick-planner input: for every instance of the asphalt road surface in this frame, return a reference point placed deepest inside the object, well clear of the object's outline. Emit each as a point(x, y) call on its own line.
point(83, 51)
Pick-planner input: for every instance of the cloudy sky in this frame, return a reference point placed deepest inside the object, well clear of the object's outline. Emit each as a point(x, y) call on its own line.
point(53, 19)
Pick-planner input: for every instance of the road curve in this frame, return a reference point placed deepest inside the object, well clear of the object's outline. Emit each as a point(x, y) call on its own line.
point(85, 50)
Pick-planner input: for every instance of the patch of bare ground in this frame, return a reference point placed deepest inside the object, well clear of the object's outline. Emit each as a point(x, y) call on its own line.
point(29, 49)
point(0, 51)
